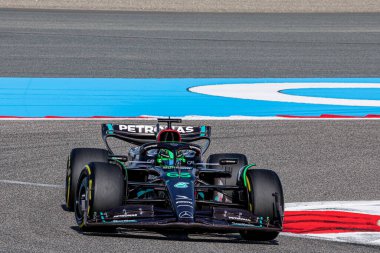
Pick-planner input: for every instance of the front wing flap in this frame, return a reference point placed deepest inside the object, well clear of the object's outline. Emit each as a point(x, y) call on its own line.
point(218, 219)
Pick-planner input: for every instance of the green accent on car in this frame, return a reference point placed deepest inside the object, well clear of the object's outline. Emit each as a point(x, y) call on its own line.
point(181, 185)
point(185, 175)
point(141, 193)
point(176, 174)
point(245, 172)
point(172, 174)
point(201, 195)
point(110, 128)
point(203, 131)
point(101, 216)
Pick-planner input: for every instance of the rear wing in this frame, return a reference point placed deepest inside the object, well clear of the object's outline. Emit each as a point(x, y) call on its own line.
point(141, 134)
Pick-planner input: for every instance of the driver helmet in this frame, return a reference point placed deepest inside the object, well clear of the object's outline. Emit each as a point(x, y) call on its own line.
point(165, 157)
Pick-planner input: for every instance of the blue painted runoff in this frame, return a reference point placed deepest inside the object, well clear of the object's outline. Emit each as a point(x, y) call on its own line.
point(86, 97)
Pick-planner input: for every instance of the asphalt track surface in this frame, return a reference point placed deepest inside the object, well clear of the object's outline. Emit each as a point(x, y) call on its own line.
point(317, 160)
point(117, 44)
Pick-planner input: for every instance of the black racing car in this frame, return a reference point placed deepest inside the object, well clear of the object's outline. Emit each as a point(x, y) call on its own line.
point(164, 183)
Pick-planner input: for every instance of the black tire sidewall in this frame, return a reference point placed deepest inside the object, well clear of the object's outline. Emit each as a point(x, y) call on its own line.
point(78, 216)
point(106, 189)
point(264, 183)
point(108, 186)
point(78, 158)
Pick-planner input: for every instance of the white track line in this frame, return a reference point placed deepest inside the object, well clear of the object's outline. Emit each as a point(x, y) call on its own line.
point(272, 92)
point(32, 184)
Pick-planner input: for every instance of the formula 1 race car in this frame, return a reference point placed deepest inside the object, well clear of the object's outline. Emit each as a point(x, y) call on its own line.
point(163, 183)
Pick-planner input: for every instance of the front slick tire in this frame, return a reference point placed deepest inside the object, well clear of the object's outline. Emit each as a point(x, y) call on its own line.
point(261, 185)
point(78, 158)
point(101, 187)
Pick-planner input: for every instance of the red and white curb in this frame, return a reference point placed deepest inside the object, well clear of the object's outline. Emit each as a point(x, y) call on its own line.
point(343, 221)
